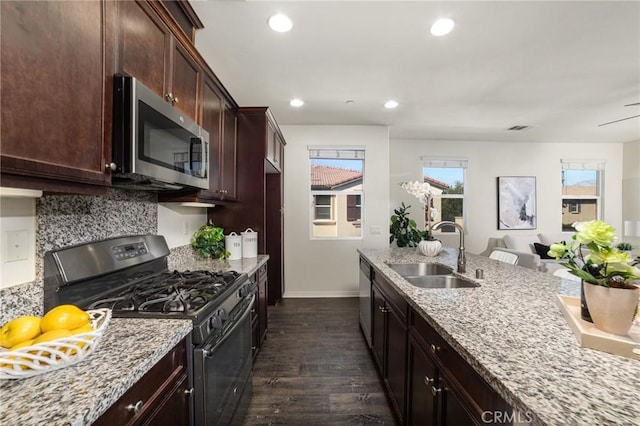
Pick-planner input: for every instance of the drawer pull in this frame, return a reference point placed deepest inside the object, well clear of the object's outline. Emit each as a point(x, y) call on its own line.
point(435, 391)
point(135, 408)
point(428, 381)
point(188, 391)
point(435, 348)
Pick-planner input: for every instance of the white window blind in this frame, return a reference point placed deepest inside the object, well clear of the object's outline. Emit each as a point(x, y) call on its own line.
point(442, 163)
point(338, 153)
point(583, 164)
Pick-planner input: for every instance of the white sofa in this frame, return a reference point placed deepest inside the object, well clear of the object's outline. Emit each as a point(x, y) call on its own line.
point(523, 245)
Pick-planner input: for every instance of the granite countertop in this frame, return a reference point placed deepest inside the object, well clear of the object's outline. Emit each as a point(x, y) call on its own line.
point(185, 259)
point(79, 394)
point(512, 331)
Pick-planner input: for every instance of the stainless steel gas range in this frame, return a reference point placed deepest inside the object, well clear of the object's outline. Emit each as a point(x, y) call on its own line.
point(130, 276)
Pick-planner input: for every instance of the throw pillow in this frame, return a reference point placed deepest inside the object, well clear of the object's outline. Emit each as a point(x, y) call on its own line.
point(542, 250)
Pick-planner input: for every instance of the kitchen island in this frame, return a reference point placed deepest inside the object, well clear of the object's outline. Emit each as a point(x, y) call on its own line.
point(512, 332)
point(79, 394)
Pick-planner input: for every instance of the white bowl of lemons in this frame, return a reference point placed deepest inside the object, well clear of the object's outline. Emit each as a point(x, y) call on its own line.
point(30, 345)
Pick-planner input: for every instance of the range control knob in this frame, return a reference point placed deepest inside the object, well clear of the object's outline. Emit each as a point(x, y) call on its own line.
point(215, 321)
point(244, 291)
point(222, 314)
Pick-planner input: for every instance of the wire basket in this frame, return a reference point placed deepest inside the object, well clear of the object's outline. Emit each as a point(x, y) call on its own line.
point(40, 358)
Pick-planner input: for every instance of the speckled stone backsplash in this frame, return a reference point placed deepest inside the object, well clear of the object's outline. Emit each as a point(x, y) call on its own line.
point(64, 220)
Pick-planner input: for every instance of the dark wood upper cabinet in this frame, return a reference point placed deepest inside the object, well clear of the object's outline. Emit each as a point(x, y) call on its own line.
point(259, 192)
point(57, 87)
point(158, 57)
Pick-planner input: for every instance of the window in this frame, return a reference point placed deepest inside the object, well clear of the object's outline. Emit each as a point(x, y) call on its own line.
point(336, 192)
point(322, 207)
point(447, 179)
point(354, 208)
point(581, 191)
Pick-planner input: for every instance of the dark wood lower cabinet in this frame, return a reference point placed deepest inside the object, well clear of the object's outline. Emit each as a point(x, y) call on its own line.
point(259, 312)
point(443, 389)
point(161, 396)
point(426, 380)
point(389, 341)
point(421, 404)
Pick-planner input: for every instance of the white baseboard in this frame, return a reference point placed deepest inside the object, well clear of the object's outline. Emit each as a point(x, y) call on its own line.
point(313, 294)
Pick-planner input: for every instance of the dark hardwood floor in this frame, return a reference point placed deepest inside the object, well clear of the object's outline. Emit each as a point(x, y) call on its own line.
point(315, 368)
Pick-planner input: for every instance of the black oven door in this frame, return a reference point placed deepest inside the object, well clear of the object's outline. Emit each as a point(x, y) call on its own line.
point(222, 367)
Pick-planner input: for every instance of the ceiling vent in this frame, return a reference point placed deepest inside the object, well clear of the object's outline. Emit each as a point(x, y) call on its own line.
point(517, 128)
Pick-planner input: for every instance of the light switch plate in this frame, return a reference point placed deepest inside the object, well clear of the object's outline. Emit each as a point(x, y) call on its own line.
point(17, 245)
point(375, 230)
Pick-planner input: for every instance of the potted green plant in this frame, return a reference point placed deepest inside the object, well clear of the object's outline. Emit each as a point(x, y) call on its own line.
point(403, 229)
point(209, 242)
point(606, 272)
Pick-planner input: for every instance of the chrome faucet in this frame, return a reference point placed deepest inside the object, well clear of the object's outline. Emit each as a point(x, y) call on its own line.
point(462, 260)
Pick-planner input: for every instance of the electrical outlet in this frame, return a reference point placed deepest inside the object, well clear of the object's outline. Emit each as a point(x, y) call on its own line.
point(17, 245)
point(185, 227)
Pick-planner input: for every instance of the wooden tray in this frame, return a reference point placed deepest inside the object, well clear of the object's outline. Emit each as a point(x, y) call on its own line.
point(590, 337)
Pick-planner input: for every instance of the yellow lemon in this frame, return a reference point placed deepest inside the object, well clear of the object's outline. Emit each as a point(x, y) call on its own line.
point(80, 330)
point(19, 329)
point(22, 345)
point(52, 335)
point(18, 358)
point(68, 317)
point(84, 329)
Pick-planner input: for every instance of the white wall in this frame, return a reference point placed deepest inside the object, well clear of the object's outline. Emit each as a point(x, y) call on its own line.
point(631, 187)
point(322, 268)
point(488, 160)
point(17, 214)
point(178, 223)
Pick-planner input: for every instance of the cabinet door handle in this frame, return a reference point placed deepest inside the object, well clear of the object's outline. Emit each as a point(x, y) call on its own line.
point(435, 391)
point(110, 167)
point(428, 381)
point(135, 408)
point(435, 348)
point(188, 391)
point(175, 100)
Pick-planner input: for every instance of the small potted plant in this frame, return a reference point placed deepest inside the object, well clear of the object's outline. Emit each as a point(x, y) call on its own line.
point(209, 242)
point(607, 275)
point(403, 230)
point(429, 245)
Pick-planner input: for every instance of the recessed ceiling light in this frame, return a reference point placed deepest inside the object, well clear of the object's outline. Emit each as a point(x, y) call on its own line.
point(442, 26)
point(280, 23)
point(296, 102)
point(390, 104)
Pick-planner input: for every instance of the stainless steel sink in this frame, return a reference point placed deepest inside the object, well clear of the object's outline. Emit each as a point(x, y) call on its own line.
point(420, 269)
point(441, 281)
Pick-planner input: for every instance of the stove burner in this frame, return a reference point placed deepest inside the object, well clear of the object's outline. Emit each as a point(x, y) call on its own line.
point(184, 292)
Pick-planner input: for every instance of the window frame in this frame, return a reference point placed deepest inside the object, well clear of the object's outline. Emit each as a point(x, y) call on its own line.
point(597, 166)
point(449, 163)
point(336, 153)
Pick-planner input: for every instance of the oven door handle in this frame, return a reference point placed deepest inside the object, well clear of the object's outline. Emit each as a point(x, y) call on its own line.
point(209, 352)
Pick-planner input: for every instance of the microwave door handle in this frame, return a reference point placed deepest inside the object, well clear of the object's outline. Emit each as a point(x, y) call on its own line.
point(192, 143)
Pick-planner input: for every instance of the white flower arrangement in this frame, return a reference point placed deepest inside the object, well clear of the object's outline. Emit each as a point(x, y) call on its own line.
point(423, 192)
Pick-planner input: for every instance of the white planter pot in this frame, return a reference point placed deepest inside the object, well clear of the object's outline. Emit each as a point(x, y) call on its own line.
point(429, 248)
point(612, 309)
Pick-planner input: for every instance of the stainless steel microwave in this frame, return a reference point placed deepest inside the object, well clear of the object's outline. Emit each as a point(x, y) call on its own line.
point(155, 146)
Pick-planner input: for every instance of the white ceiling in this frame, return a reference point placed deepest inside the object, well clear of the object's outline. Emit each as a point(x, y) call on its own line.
point(560, 67)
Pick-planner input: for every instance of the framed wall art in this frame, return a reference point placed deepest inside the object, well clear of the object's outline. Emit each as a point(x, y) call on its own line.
point(517, 202)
